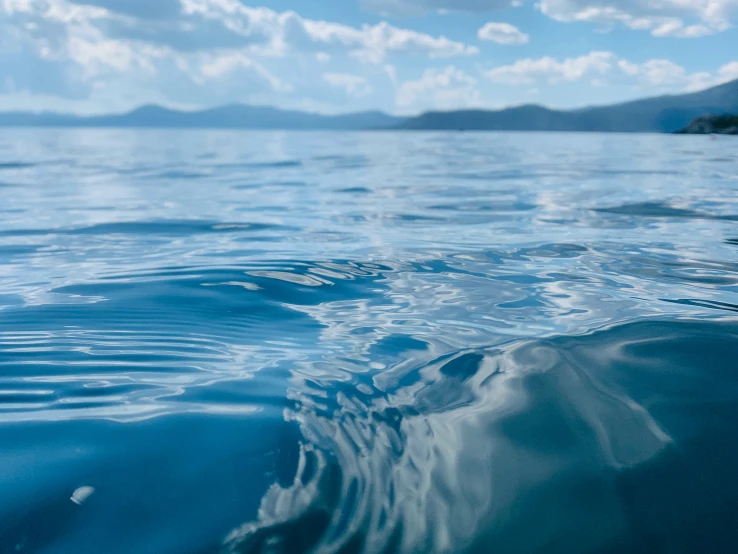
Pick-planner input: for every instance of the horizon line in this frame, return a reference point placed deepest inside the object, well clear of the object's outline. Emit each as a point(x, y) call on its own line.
point(354, 112)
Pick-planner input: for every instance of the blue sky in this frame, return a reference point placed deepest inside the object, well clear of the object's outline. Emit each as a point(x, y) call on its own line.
point(401, 56)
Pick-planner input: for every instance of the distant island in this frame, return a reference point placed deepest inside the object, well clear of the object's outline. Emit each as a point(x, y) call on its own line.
point(712, 125)
point(663, 114)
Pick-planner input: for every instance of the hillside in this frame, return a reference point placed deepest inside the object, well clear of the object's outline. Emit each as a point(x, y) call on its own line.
point(660, 114)
point(712, 125)
point(236, 116)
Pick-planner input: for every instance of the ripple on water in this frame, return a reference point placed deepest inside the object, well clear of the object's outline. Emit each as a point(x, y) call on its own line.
point(566, 432)
point(148, 228)
point(366, 342)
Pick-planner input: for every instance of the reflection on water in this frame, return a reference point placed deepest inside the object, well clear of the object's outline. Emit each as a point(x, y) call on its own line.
point(400, 343)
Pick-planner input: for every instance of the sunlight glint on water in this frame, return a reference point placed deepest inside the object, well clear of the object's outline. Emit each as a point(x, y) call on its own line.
point(367, 342)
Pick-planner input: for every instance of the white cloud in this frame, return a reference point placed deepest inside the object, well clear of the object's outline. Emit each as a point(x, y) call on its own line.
point(391, 72)
point(225, 24)
point(218, 66)
point(674, 18)
point(147, 9)
point(605, 69)
point(178, 48)
point(374, 43)
point(502, 33)
point(728, 72)
point(98, 55)
point(663, 18)
point(660, 73)
point(439, 89)
point(677, 29)
point(203, 52)
point(353, 86)
point(419, 7)
point(547, 69)
point(665, 74)
point(289, 32)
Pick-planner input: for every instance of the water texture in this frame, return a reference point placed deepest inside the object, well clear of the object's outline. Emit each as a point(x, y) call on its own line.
point(367, 342)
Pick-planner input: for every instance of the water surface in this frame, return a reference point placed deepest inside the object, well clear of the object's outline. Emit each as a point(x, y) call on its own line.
point(367, 342)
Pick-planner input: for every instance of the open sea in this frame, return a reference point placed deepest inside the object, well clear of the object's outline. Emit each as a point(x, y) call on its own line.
point(381, 343)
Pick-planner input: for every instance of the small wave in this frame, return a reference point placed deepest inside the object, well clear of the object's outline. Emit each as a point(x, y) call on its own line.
point(480, 443)
point(345, 162)
point(289, 184)
point(16, 165)
point(277, 164)
point(662, 209)
point(477, 207)
point(706, 304)
point(179, 175)
point(147, 228)
point(282, 164)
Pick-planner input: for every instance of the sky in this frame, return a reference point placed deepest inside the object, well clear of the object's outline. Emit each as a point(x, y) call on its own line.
point(335, 56)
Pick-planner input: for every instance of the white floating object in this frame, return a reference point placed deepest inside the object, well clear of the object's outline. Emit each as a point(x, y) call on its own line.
point(82, 494)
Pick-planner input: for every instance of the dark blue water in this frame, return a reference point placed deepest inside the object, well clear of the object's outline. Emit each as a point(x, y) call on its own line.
point(381, 343)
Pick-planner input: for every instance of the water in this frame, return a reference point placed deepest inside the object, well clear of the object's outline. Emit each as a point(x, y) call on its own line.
point(343, 343)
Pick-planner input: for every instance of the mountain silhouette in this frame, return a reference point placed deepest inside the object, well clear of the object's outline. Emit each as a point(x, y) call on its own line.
point(236, 116)
point(668, 113)
point(660, 114)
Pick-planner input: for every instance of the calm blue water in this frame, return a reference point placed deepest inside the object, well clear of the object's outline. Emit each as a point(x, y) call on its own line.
point(382, 343)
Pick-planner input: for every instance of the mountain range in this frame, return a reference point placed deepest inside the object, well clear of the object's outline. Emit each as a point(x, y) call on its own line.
point(667, 114)
point(236, 116)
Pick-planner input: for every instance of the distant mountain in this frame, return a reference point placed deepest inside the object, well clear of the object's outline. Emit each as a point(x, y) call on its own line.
point(519, 118)
point(237, 116)
point(661, 114)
